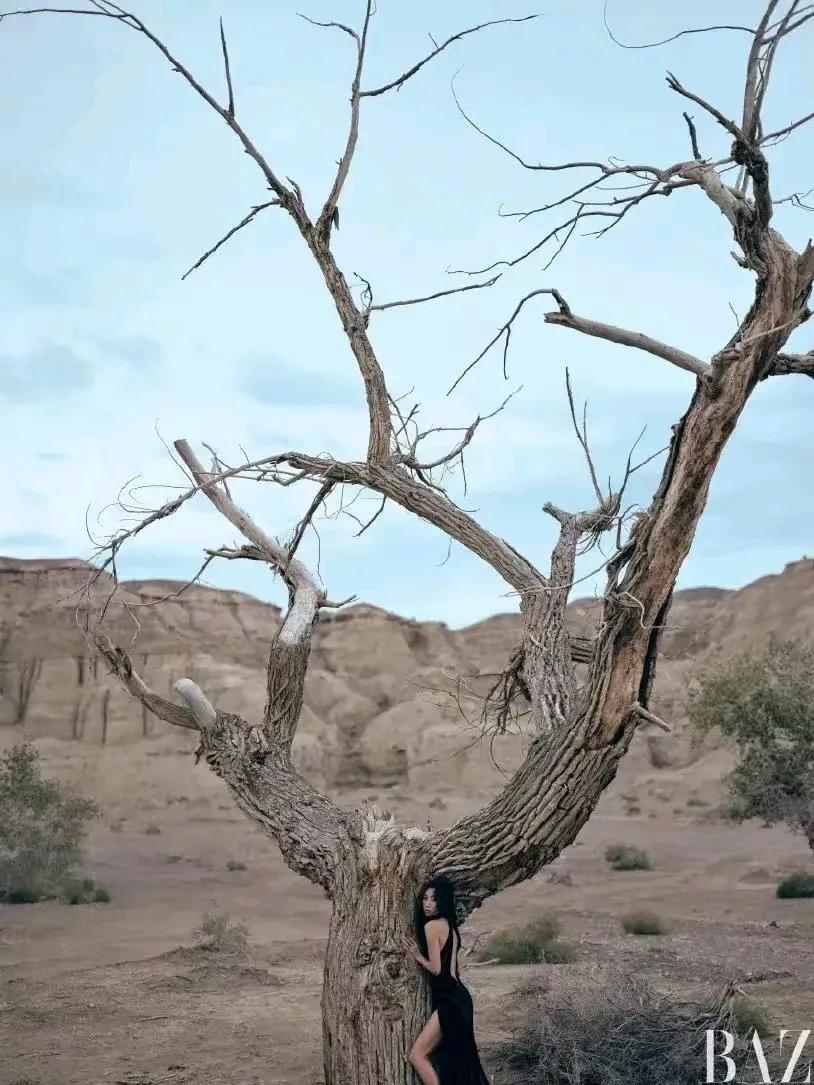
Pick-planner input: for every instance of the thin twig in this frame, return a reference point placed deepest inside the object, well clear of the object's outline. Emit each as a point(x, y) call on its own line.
point(243, 222)
point(432, 297)
point(230, 109)
point(398, 82)
point(673, 37)
point(505, 330)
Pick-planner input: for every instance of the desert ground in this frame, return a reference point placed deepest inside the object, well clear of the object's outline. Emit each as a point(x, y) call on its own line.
point(117, 993)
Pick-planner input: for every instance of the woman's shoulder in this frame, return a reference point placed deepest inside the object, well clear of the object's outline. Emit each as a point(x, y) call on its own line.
point(438, 926)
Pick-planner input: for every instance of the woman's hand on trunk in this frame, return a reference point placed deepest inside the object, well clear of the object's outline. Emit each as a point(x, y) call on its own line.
point(411, 949)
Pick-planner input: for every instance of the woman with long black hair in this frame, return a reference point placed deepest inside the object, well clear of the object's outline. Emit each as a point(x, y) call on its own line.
point(445, 1052)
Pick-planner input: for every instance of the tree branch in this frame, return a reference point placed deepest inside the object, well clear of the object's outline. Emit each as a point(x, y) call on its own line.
point(122, 666)
point(673, 37)
point(626, 338)
point(398, 82)
point(785, 364)
point(243, 222)
point(433, 297)
point(292, 643)
point(230, 108)
point(328, 215)
point(205, 715)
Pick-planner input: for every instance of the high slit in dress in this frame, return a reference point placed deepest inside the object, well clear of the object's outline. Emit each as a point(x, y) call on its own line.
point(455, 1059)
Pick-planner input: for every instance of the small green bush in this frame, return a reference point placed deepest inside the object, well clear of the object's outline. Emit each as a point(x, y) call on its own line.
point(537, 942)
point(545, 928)
point(796, 886)
point(749, 1016)
point(42, 828)
point(643, 921)
point(218, 935)
point(85, 892)
point(19, 896)
point(512, 947)
point(627, 857)
point(558, 952)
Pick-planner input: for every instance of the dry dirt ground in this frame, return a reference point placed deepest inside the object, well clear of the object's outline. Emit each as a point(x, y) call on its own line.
point(114, 994)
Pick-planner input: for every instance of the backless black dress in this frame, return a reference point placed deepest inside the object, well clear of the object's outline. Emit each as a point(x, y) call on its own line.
point(456, 1059)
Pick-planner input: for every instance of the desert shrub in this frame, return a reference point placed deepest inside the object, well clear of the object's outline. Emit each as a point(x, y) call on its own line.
point(764, 703)
point(217, 934)
point(511, 947)
point(750, 1016)
point(627, 857)
point(559, 952)
point(538, 942)
point(84, 891)
point(576, 1030)
point(643, 921)
point(42, 828)
point(796, 886)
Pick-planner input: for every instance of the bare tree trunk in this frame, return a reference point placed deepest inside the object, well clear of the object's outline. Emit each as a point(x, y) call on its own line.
point(373, 1003)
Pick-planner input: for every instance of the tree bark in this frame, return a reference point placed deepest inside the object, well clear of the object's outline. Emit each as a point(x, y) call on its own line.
point(374, 1001)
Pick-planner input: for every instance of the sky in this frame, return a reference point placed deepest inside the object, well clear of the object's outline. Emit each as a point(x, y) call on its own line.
point(115, 178)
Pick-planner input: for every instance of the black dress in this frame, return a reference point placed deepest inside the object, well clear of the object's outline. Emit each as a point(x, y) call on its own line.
point(456, 1059)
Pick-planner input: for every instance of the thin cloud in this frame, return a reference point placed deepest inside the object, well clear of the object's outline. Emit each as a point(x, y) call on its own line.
point(271, 379)
point(31, 540)
point(139, 351)
point(44, 374)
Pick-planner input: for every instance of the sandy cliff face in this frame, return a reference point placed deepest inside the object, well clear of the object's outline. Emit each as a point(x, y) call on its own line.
point(371, 711)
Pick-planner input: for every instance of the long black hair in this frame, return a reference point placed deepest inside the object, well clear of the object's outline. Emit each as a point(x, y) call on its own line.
point(445, 907)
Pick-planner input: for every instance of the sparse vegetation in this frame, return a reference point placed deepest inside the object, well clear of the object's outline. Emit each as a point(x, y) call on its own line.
point(763, 702)
point(42, 829)
point(538, 942)
point(644, 921)
point(796, 886)
point(218, 935)
point(627, 857)
point(85, 891)
point(750, 1016)
point(575, 1031)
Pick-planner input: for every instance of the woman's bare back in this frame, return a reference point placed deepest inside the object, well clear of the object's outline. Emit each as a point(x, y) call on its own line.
point(448, 934)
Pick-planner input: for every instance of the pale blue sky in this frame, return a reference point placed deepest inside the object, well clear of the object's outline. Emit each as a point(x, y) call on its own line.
point(114, 177)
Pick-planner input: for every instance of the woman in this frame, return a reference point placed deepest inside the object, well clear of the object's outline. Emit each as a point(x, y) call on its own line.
point(449, 1032)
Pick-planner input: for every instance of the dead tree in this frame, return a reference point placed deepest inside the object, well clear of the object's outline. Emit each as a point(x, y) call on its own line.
point(367, 864)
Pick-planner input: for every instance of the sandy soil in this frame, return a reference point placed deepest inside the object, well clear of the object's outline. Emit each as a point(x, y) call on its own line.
point(116, 994)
